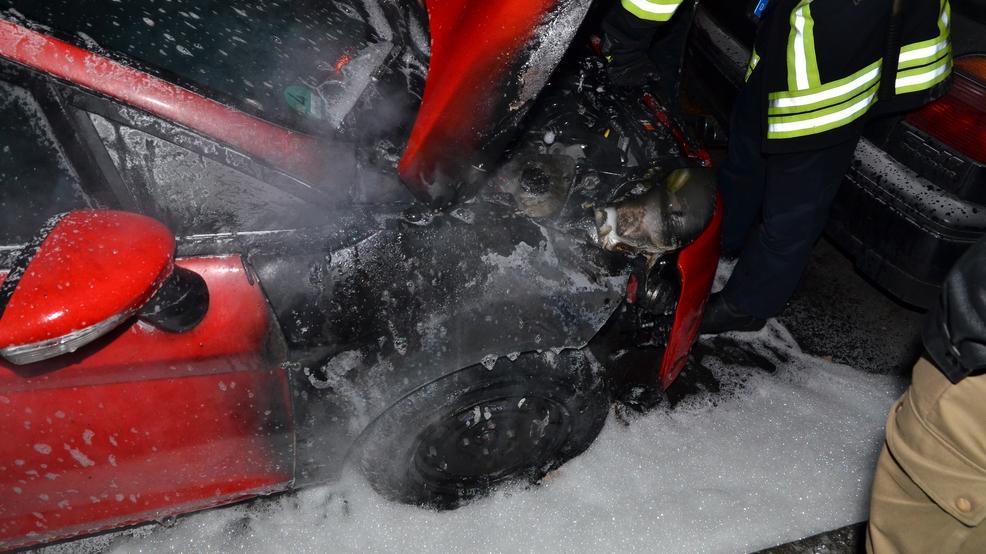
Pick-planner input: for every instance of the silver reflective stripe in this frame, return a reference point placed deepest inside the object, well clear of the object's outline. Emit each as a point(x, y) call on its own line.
point(800, 58)
point(824, 120)
point(858, 83)
point(651, 7)
point(925, 77)
point(926, 52)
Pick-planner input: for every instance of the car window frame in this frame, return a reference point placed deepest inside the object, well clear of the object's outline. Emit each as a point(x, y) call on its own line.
point(82, 103)
point(67, 108)
point(96, 195)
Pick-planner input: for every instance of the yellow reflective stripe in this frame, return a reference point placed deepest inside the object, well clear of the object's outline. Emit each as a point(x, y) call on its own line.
point(819, 113)
point(945, 21)
point(811, 60)
point(809, 107)
point(922, 78)
point(830, 94)
point(652, 10)
point(802, 65)
point(825, 120)
point(927, 51)
point(923, 55)
point(754, 60)
point(924, 64)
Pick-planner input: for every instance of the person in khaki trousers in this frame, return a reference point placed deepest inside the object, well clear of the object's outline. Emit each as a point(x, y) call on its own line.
point(929, 492)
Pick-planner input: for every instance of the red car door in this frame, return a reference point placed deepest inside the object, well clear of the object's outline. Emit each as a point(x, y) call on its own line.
point(142, 424)
point(147, 424)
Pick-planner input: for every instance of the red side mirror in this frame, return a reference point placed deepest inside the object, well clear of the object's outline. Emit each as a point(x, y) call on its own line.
point(85, 273)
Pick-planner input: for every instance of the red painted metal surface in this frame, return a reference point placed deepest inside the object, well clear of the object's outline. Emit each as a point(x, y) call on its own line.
point(293, 152)
point(697, 266)
point(474, 45)
point(94, 264)
point(147, 424)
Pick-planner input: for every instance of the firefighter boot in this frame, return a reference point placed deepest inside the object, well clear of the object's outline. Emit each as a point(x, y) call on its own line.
point(721, 317)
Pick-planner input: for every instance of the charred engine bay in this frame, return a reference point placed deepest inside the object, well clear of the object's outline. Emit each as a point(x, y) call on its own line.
point(390, 297)
point(586, 143)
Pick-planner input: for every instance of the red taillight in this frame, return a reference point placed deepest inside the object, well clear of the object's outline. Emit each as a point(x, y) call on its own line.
point(959, 118)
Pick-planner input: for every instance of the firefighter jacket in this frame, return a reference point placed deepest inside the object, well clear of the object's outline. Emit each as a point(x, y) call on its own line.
point(827, 65)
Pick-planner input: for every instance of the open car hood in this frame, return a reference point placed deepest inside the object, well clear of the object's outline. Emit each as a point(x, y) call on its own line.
point(488, 62)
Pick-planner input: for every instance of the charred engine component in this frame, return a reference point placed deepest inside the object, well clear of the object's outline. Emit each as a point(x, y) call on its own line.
point(589, 145)
point(669, 216)
point(658, 287)
point(180, 304)
point(539, 183)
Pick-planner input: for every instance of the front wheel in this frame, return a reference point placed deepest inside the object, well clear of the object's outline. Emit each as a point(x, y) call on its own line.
point(460, 435)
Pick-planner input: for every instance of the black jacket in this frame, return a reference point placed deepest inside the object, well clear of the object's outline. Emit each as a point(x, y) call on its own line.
point(955, 332)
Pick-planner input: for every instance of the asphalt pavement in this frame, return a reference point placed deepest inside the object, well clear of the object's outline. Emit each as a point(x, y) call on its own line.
point(839, 314)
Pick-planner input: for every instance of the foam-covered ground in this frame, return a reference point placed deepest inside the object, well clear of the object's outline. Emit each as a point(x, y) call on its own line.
point(768, 458)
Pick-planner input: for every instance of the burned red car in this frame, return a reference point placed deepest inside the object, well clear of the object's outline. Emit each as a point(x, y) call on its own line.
point(245, 243)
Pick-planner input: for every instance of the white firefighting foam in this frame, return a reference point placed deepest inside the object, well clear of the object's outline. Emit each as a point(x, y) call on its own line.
point(767, 459)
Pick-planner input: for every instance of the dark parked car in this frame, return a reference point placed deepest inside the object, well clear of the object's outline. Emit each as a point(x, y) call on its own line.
point(223, 274)
point(915, 197)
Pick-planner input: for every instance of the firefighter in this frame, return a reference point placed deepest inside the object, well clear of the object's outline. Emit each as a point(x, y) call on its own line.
point(929, 492)
point(818, 72)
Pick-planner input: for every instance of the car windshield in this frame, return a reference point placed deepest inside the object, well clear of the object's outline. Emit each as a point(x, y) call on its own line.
point(273, 58)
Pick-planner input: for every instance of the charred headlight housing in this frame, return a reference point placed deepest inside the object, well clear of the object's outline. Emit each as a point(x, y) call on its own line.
point(655, 287)
point(670, 215)
point(661, 287)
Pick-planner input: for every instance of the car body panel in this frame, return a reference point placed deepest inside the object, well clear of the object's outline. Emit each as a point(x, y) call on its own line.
point(371, 322)
point(488, 62)
point(316, 327)
point(147, 424)
point(697, 267)
point(885, 203)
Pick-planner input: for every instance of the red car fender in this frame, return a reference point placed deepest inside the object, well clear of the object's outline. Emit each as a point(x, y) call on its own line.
point(147, 424)
point(697, 267)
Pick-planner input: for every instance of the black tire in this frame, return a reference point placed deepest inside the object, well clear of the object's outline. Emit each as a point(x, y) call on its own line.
point(460, 435)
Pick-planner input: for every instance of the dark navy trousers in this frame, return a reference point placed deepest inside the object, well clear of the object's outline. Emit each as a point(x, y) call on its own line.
point(775, 208)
